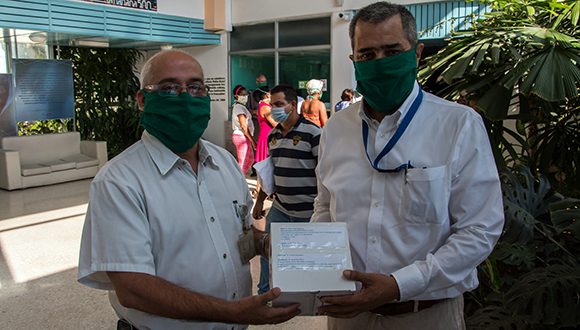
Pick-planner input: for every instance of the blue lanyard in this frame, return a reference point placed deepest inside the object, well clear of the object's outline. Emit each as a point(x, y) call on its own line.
point(394, 139)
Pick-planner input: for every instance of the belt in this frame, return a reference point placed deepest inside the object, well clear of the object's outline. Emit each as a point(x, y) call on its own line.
point(412, 306)
point(123, 324)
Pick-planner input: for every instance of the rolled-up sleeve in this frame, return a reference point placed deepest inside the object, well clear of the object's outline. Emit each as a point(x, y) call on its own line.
point(116, 235)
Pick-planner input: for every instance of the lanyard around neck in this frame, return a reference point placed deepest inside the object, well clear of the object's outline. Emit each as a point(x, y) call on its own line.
point(394, 139)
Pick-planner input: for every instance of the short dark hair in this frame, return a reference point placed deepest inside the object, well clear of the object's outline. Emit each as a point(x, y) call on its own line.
point(238, 89)
point(347, 95)
point(261, 91)
point(381, 11)
point(290, 93)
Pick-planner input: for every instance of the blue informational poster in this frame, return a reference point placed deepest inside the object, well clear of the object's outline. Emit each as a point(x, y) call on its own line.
point(7, 121)
point(44, 89)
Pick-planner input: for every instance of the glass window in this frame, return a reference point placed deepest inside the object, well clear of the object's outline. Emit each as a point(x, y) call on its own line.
point(309, 32)
point(250, 37)
point(296, 68)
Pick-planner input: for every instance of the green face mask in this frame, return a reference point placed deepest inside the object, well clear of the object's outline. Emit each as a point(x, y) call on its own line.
point(177, 121)
point(261, 83)
point(386, 83)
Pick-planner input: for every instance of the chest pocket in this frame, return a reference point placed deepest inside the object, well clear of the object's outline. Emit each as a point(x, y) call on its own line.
point(425, 195)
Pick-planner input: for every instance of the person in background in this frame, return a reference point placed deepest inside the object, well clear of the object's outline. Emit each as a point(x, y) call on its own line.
point(294, 151)
point(261, 80)
point(254, 98)
point(165, 217)
point(300, 101)
point(266, 123)
point(414, 178)
point(346, 100)
point(313, 108)
point(243, 129)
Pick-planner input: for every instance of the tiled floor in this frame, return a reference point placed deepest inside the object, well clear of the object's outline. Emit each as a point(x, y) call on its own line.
point(39, 243)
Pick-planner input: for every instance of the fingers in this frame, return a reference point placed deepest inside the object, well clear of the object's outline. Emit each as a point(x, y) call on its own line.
point(283, 314)
point(257, 214)
point(339, 311)
point(269, 296)
point(353, 275)
point(339, 300)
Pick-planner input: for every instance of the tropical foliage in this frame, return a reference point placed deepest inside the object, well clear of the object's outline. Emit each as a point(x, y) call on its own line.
point(519, 67)
point(520, 63)
point(105, 85)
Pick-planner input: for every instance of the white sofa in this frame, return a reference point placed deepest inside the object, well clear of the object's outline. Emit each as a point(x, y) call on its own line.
point(37, 160)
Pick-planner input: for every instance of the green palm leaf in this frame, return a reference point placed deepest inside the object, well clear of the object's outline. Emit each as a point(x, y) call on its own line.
point(548, 295)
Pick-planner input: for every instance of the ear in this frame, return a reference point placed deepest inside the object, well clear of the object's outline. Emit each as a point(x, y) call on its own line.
point(351, 57)
point(140, 100)
point(420, 47)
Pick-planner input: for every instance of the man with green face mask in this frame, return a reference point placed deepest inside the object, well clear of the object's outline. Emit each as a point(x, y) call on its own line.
point(414, 178)
point(168, 228)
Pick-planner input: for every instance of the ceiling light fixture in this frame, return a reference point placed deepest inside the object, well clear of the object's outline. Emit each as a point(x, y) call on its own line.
point(90, 43)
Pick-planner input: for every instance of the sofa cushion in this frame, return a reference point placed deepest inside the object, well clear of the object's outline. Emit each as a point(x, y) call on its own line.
point(59, 165)
point(82, 161)
point(34, 169)
point(43, 147)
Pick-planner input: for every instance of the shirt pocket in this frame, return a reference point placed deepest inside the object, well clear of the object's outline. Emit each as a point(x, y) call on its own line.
point(425, 195)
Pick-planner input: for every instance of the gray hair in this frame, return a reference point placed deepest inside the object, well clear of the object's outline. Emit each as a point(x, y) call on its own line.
point(145, 76)
point(379, 12)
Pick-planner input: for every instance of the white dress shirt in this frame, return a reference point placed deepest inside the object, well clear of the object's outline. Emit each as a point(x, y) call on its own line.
point(428, 227)
point(150, 213)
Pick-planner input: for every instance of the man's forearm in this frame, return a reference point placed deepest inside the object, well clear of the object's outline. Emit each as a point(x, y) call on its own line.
point(157, 296)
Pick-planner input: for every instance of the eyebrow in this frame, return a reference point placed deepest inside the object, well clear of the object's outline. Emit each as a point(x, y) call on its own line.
point(173, 80)
point(387, 46)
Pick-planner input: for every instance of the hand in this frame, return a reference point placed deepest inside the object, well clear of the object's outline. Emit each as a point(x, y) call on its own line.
point(377, 290)
point(254, 310)
point(258, 211)
point(264, 250)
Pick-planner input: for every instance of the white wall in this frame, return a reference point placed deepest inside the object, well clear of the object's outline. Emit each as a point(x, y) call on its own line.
point(214, 61)
point(254, 11)
point(185, 8)
point(341, 68)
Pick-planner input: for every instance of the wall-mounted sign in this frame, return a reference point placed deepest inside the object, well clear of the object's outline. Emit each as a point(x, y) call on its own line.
point(136, 4)
point(217, 88)
point(44, 89)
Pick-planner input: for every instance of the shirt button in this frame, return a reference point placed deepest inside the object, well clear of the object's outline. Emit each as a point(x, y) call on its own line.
point(376, 204)
point(212, 219)
point(373, 240)
point(225, 256)
point(382, 135)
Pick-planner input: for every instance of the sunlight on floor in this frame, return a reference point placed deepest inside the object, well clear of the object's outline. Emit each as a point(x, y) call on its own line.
point(34, 250)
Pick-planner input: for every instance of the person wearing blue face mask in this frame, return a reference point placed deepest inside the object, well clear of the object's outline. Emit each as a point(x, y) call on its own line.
point(293, 146)
point(414, 178)
point(168, 227)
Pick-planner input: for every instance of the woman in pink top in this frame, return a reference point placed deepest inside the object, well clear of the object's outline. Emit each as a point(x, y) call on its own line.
point(266, 123)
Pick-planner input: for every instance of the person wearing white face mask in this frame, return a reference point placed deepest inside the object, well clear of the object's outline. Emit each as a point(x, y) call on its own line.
point(243, 129)
point(293, 146)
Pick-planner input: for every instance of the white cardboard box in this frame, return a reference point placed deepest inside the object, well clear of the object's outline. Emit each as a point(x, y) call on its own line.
point(307, 263)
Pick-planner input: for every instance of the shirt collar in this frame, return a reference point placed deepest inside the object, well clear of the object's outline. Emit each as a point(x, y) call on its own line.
point(399, 114)
point(165, 159)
